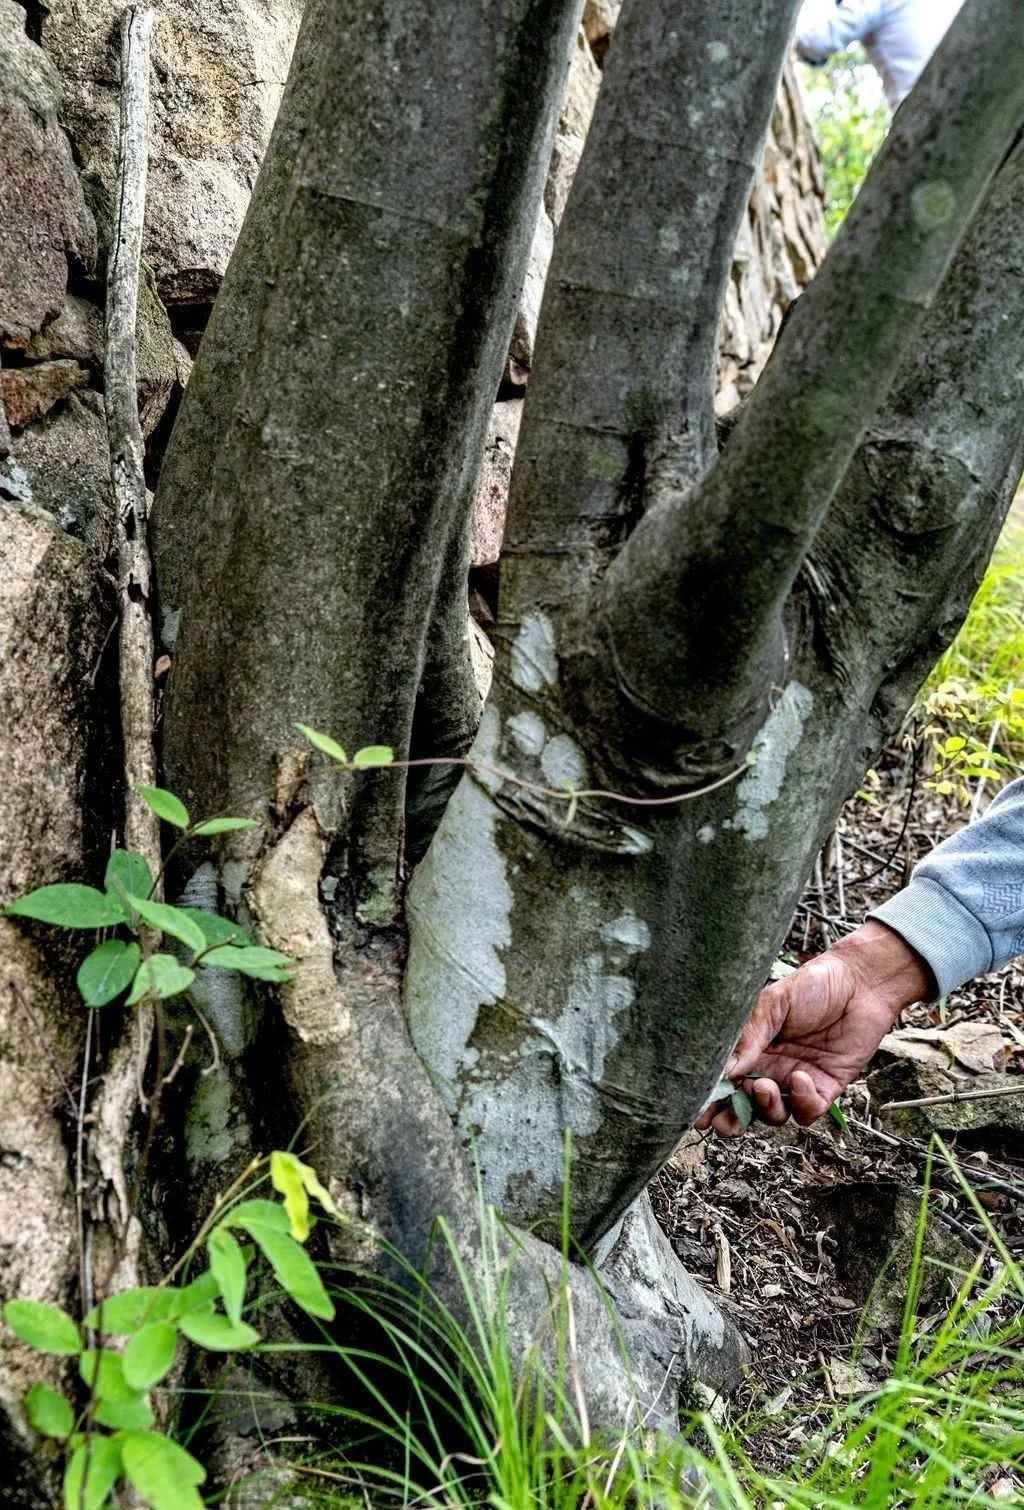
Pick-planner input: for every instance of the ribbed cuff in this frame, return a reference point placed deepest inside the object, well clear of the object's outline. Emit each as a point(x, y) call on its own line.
point(942, 930)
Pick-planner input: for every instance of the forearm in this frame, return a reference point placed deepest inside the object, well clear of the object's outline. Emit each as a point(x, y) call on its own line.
point(964, 908)
point(887, 966)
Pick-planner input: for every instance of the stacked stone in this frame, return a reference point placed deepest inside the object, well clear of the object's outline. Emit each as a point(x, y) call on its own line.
point(218, 74)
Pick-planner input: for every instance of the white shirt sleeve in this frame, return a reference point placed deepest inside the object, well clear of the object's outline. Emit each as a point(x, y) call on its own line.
point(824, 27)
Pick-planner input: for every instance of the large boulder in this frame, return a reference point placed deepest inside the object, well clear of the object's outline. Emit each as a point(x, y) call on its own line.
point(54, 615)
point(44, 222)
point(219, 67)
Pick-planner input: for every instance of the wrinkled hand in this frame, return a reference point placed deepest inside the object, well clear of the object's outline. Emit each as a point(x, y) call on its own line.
point(813, 1033)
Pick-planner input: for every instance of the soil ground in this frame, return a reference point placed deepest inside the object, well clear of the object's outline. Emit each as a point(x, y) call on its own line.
point(788, 1228)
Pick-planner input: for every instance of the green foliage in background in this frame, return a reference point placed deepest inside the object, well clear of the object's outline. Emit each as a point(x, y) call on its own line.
point(850, 121)
point(972, 705)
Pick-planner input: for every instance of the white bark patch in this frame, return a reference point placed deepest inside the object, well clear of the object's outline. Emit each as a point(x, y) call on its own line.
point(706, 833)
point(534, 664)
point(458, 909)
point(633, 841)
point(563, 763)
point(773, 746)
point(554, 1082)
point(628, 932)
point(528, 732)
point(717, 51)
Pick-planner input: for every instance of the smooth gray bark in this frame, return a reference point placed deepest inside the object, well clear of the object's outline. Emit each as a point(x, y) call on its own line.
point(353, 434)
point(621, 392)
point(727, 554)
point(604, 969)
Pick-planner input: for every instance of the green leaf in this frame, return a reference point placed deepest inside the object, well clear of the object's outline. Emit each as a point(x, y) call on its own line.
point(118, 1405)
point(227, 1263)
point(251, 960)
point(161, 975)
point(373, 755)
point(150, 1354)
point(91, 1473)
point(222, 826)
point(171, 920)
point(70, 906)
point(103, 1372)
point(836, 1112)
point(955, 745)
point(133, 1414)
point(742, 1106)
point(107, 971)
point(257, 1213)
point(129, 1310)
point(49, 1412)
point(296, 1273)
point(216, 930)
point(202, 1292)
point(296, 1182)
point(287, 1180)
point(219, 1333)
point(722, 1092)
point(44, 1327)
point(324, 743)
point(164, 1474)
point(127, 875)
point(165, 805)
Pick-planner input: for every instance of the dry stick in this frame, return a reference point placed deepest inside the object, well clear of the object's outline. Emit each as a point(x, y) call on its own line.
point(955, 1096)
point(119, 1097)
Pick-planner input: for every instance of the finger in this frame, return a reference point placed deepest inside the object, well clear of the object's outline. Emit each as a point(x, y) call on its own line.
point(728, 1125)
point(760, 1028)
point(706, 1117)
point(768, 1102)
point(806, 1100)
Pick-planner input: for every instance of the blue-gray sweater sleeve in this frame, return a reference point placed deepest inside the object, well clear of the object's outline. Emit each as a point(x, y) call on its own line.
point(964, 908)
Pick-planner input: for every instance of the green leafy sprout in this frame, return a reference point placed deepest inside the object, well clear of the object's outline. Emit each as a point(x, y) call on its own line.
point(111, 1440)
point(127, 905)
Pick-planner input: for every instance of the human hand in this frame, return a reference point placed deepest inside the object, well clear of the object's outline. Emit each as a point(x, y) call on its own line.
point(813, 1033)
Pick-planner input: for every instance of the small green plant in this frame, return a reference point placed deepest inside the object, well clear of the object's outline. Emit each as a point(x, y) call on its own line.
point(122, 964)
point(111, 1438)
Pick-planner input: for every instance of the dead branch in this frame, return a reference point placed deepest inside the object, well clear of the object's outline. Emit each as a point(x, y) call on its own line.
point(119, 1098)
point(953, 1097)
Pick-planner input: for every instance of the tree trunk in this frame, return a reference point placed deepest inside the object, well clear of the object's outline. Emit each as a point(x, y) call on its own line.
point(608, 885)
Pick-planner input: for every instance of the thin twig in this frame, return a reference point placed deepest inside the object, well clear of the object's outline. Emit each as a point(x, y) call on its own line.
point(983, 780)
point(214, 1064)
point(175, 1068)
point(840, 880)
point(124, 432)
point(84, 1268)
point(955, 1096)
point(890, 860)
